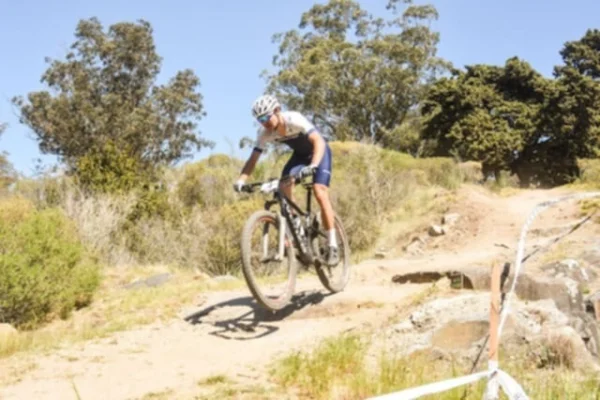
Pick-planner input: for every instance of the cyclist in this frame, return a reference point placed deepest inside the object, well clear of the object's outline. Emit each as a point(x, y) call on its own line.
point(311, 155)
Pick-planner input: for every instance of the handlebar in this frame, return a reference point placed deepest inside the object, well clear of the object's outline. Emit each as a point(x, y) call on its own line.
point(251, 187)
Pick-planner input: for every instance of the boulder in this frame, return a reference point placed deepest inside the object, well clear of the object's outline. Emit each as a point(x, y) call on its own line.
point(450, 219)
point(478, 278)
point(436, 230)
point(458, 327)
point(562, 292)
point(415, 247)
point(571, 269)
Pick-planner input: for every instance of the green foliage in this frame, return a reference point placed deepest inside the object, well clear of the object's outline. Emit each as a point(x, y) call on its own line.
point(104, 98)
point(208, 182)
point(222, 252)
point(349, 366)
point(44, 267)
point(330, 364)
point(192, 218)
point(369, 183)
point(486, 113)
point(583, 55)
point(590, 171)
point(7, 172)
point(357, 89)
point(111, 169)
point(512, 119)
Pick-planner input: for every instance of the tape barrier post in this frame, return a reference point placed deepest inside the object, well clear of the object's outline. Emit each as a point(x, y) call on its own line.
point(492, 387)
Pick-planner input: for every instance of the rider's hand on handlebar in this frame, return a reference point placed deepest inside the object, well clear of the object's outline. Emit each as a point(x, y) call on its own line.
point(238, 185)
point(306, 171)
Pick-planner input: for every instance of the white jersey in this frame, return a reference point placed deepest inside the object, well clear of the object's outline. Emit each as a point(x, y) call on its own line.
point(298, 127)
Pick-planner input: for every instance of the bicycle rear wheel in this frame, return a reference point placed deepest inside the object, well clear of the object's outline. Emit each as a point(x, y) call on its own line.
point(334, 278)
point(260, 264)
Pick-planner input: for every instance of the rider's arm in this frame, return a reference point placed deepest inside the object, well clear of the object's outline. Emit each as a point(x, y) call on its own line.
point(259, 146)
point(250, 164)
point(319, 145)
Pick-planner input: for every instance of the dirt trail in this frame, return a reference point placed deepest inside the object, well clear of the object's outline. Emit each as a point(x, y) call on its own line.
point(225, 333)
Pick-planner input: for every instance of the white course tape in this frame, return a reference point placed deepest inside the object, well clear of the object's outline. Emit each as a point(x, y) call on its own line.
point(513, 390)
point(431, 388)
point(493, 385)
point(521, 247)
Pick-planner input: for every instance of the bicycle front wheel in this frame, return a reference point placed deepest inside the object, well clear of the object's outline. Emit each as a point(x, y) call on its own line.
point(269, 274)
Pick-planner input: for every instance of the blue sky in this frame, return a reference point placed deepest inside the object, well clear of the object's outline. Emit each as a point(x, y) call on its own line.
point(228, 44)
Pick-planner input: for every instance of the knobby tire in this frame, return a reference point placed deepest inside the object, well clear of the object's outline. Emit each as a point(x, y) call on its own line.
point(273, 304)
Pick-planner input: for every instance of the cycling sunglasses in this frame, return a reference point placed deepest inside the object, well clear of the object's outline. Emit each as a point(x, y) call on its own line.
point(264, 118)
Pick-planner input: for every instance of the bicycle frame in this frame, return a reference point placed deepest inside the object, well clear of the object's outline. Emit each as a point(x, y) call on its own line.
point(285, 203)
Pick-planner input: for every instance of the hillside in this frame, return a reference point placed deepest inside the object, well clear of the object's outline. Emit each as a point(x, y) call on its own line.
point(221, 345)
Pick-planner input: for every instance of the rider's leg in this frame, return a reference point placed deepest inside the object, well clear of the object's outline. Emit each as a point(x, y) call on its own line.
point(321, 189)
point(287, 186)
point(322, 196)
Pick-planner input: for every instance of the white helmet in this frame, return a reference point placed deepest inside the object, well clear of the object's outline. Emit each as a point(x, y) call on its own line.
point(264, 105)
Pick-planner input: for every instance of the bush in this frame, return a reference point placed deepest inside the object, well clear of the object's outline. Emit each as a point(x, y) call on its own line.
point(44, 270)
point(193, 218)
point(111, 169)
point(223, 245)
point(208, 183)
point(589, 171)
point(369, 183)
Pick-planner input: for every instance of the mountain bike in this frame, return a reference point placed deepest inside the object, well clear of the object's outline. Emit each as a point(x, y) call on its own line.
point(299, 240)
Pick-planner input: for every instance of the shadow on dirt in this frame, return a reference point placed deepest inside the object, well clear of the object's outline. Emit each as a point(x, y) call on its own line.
point(251, 324)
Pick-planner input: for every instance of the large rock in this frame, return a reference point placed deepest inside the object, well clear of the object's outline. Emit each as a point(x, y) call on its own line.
point(436, 230)
point(571, 269)
point(415, 247)
point(564, 290)
point(562, 287)
point(458, 327)
point(475, 278)
point(450, 219)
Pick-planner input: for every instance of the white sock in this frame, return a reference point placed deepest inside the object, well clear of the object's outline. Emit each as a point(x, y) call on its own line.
point(332, 240)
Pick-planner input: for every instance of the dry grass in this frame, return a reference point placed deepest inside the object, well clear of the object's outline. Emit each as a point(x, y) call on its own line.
point(117, 309)
point(559, 351)
point(418, 210)
point(98, 219)
point(164, 395)
point(337, 369)
point(372, 189)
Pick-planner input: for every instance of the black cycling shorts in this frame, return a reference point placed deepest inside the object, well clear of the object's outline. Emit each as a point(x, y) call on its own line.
point(297, 162)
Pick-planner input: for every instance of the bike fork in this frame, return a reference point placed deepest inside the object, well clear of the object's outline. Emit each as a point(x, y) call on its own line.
point(282, 228)
point(281, 240)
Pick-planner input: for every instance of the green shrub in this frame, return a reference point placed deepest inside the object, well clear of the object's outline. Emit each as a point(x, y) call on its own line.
point(44, 270)
point(470, 171)
point(191, 217)
point(223, 245)
point(111, 169)
point(208, 183)
point(589, 171)
point(368, 183)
